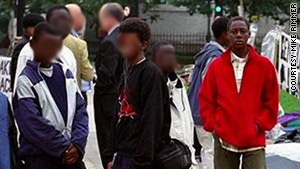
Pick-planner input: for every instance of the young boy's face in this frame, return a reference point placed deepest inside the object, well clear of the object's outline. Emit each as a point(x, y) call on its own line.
point(46, 47)
point(131, 45)
point(165, 58)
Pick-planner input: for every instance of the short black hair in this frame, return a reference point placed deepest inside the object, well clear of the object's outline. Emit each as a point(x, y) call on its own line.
point(138, 26)
point(32, 19)
point(45, 27)
point(115, 10)
point(53, 9)
point(219, 26)
point(238, 18)
point(156, 47)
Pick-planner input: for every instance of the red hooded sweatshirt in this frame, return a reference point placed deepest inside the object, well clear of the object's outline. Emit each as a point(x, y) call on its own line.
point(240, 118)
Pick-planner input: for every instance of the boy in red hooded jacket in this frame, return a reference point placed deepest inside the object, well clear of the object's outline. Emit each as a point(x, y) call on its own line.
point(239, 101)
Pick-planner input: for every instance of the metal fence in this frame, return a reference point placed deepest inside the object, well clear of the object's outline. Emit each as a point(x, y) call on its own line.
point(186, 44)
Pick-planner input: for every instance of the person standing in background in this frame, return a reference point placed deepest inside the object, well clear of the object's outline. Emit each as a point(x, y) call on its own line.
point(60, 17)
point(204, 58)
point(239, 101)
point(85, 70)
point(29, 22)
point(79, 20)
point(182, 125)
point(109, 67)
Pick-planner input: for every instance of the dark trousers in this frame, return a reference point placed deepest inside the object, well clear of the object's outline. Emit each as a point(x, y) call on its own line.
point(225, 159)
point(105, 107)
point(48, 162)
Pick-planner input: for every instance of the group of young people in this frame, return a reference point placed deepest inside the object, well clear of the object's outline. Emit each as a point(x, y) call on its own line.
point(140, 102)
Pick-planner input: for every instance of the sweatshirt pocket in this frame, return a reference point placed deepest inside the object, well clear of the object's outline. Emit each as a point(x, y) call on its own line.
point(248, 133)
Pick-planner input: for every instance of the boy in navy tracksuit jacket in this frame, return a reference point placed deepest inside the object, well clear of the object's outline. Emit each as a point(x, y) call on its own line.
point(49, 110)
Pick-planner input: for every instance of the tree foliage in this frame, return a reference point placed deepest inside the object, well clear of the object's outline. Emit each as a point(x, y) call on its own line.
point(276, 9)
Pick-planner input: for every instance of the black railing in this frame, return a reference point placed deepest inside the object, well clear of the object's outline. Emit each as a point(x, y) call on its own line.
point(186, 44)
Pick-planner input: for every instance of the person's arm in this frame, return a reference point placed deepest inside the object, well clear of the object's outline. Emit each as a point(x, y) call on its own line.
point(108, 154)
point(80, 128)
point(208, 100)
point(106, 68)
point(87, 70)
point(208, 63)
point(151, 120)
point(270, 99)
point(35, 128)
point(24, 56)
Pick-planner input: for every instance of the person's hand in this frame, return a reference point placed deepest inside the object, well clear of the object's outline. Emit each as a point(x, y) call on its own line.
point(72, 155)
point(110, 165)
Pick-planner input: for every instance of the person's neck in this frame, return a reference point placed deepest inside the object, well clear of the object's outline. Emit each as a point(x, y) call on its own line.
point(241, 52)
point(116, 24)
point(43, 64)
point(46, 65)
point(220, 42)
point(135, 60)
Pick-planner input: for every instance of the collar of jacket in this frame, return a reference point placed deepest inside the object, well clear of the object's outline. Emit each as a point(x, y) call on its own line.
point(252, 54)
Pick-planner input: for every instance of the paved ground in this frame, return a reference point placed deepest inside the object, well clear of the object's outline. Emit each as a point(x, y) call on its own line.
point(92, 157)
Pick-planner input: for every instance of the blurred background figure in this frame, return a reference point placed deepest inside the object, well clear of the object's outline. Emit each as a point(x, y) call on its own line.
point(85, 71)
point(29, 22)
point(109, 67)
point(182, 125)
point(79, 20)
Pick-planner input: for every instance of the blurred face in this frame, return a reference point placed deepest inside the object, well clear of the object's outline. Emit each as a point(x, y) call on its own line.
point(61, 19)
point(29, 31)
point(105, 20)
point(46, 47)
point(130, 45)
point(239, 34)
point(165, 58)
point(78, 19)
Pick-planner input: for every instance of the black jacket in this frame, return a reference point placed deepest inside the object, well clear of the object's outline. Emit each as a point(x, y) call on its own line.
point(142, 123)
point(109, 65)
point(14, 58)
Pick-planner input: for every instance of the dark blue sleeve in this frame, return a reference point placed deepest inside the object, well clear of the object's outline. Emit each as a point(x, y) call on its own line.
point(80, 128)
point(37, 130)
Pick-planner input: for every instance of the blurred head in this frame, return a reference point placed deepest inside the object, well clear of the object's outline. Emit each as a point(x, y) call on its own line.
point(239, 33)
point(59, 16)
point(77, 17)
point(134, 37)
point(110, 15)
point(30, 21)
point(219, 28)
point(46, 42)
point(163, 54)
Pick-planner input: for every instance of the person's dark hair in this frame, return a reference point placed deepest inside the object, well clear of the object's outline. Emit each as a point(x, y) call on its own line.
point(43, 28)
point(219, 26)
point(156, 47)
point(138, 26)
point(53, 9)
point(114, 9)
point(238, 18)
point(32, 19)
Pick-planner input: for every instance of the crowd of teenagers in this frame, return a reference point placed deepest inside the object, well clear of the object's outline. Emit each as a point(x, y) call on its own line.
point(141, 104)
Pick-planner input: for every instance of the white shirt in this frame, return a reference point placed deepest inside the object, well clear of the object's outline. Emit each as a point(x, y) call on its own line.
point(65, 55)
point(238, 64)
point(112, 29)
